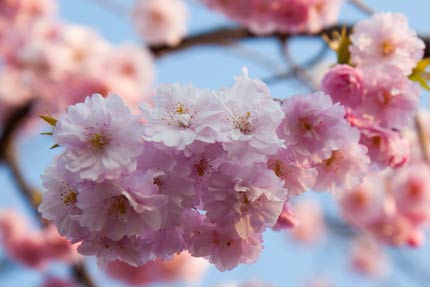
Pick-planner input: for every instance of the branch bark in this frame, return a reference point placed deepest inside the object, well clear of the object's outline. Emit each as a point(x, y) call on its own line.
point(31, 195)
point(227, 35)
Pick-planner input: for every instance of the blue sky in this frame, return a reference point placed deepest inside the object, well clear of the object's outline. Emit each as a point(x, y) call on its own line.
point(282, 263)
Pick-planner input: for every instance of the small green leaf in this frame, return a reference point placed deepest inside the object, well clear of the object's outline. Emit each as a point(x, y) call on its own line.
point(421, 73)
point(339, 42)
point(343, 54)
point(50, 120)
point(54, 146)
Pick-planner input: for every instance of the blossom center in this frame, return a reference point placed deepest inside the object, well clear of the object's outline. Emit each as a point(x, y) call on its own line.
point(387, 48)
point(69, 198)
point(305, 125)
point(335, 155)
point(99, 141)
point(119, 206)
point(243, 124)
point(181, 116)
point(202, 167)
point(278, 168)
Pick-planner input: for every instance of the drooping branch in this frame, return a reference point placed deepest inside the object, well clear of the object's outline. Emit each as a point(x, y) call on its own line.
point(30, 195)
point(227, 35)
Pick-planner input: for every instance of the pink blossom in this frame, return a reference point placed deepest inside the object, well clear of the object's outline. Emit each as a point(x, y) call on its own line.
point(131, 250)
point(223, 247)
point(287, 219)
point(33, 248)
point(385, 147)
point(313, 126)
point(115, 212)
point(59, 202)
point(368, 258)
point(252, 117)
point(411, 188)
point(12, 226)
point(297, 176)
point(311, 226)
point(57, 282)
point(367, 202)
point(395, 230)
point(183, 114)
point(182, 267)
point(251, 199)
point(287, 16)
point(101, 138)
point(344, 169)
point(160, 21)
point(387, 40)
point(344, 84)
point(56, 247)
point(129, 72)
point(23, 13)
point(391, 99)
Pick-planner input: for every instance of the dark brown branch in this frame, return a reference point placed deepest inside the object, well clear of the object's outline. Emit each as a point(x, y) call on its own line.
point(228, 35)
point(11, 124)
point(31, 196)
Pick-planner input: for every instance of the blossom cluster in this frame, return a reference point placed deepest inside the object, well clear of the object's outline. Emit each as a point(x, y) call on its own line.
point(203, 171)
point(32, 40)
point(33, 249)
point(288, 16)
point(393, 205)
point(379, 98)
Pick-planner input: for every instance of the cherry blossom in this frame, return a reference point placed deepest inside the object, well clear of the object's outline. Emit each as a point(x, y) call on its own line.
point(160, 21)
point(101, 137)
point(386, 39)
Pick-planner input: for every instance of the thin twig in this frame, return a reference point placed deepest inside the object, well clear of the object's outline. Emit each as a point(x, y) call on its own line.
point(254, 56)
point(227, 35)
point(363, 7)
point(112, 6)
point(422, 138)
point(312, 62)
point(298, 70)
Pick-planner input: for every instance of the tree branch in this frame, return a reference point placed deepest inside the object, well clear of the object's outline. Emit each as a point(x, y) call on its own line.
point(31, 196)
point(227, 35)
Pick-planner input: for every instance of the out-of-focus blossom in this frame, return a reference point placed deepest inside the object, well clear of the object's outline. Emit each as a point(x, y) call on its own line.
point(57, 282)
point(368, 258)
point(33, 249)
point(386, 40)
point(160, 21)
point(182, 268)
point(288, 16)
point(287, 219)
point(310, 227)
point(344, 169)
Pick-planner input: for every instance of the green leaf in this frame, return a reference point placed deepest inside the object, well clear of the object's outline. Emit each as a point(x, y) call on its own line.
point(339, 42)
point(54, 146)
point(47, 134)
point(343, 54)
point(50, 120)
point(421, 73)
